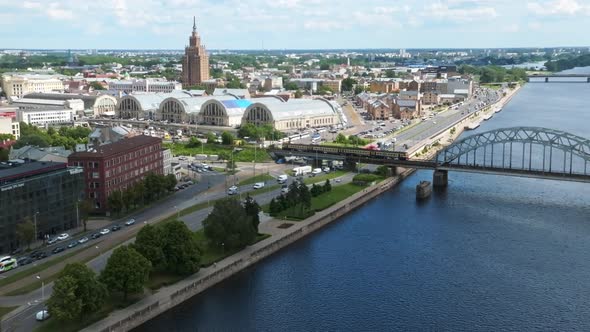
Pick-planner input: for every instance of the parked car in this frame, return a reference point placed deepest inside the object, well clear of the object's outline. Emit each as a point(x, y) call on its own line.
point(51, 240)
point(232, 190)
point(73, 244)
point(258, 185)
point(104, 231)
point(284, 190)
point(115, 228)
point(130, 222)
point(16, 251)
point(96, 236)
point(63, 236)
point(20, 261)
point(42, 315)
point(42, 255)
point(58, 250)
point(83, 240)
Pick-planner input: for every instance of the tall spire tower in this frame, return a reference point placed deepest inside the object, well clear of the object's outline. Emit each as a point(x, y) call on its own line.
point(195, 63)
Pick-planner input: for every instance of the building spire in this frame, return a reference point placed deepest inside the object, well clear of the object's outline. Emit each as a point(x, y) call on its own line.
point(194, 24)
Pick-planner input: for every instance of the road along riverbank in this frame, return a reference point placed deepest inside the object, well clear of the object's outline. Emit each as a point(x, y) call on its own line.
point(168, 297)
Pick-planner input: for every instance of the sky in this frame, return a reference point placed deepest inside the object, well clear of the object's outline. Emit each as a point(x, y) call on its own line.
point(293, 24)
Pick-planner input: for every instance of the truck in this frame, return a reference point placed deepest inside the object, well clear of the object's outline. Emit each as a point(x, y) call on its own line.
point(282, 178)
point(302, 170)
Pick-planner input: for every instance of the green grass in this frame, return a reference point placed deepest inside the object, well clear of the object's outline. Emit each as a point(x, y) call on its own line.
point(264, 190)
point(334, 196)
point(211, 254)
point(324, 176)
point(161, 279)
point(113, 303)
point(492, 86)
point(257, 178)
point(5, 310)
point(246, 155)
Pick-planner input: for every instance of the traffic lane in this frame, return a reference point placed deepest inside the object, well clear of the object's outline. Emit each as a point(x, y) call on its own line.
point(25, 321)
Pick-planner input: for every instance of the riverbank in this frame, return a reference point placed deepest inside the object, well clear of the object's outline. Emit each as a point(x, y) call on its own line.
point(168, 297)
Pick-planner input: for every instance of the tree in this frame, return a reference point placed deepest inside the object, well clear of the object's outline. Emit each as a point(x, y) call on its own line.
point(194, 143)
point(63, 303)
point(252, 210)
point(115, 201)
point(25, 231)
point(227, 138)
point(180, 248)
point(291, 86)
point(228, 225)
point(298, 94)
point(170, 182)
point(89, 290)
point(340, 138)
point(4, 154)
point(327, 186)
point(126, 271)
point(324, 90)
point(97, 86)
point(211, 138)
point(8, 137)
point(382, 171)
point(85, 208)
point(304, 195)
point(148, 243)
point(273, 207)
point(348, 83)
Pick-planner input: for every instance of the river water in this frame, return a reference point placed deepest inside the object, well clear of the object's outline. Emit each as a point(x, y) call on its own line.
point(490, 253)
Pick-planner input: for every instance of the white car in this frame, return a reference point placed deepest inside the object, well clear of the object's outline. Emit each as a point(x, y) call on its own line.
point(42, 315)
point(83, 240)
point(105, 231)
point(63, 236)
point(130, 222)
point(258, 185)
point(232, 190)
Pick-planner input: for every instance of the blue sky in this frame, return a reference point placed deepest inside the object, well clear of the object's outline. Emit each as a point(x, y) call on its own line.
point(294, 24)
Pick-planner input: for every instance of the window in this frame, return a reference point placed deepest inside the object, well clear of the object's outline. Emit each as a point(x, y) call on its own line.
point(95, 175)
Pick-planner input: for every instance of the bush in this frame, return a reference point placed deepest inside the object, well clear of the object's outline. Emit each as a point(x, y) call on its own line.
point(364, 179)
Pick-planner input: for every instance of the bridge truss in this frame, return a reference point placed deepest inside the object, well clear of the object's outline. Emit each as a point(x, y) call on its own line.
point(532, 149)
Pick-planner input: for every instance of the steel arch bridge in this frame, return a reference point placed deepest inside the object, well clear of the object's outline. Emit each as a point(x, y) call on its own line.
point(536, 151)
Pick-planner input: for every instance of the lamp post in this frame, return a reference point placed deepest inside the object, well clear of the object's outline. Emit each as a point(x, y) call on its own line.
point(223, 247)
point(35, 223)
point(42, 288)
point(77, 214)
point(177, 212)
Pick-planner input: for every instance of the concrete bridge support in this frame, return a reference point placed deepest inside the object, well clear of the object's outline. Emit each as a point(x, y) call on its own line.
point(546, 79)
point(588, 80)
point(392, 171)
point(349, 165)
point(440, 178)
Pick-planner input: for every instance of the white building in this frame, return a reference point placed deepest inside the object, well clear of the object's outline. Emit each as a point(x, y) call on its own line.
point(16, 85)
point(7, 126)
point(42, 117)
point(167, 156)
point(146, 85)
point(99, 104)
point(31, 103)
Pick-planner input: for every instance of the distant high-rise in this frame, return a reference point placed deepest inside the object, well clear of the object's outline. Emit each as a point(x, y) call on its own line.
point(195, 64)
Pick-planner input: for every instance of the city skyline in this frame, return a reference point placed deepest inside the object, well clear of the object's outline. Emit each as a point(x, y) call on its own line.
point(288, 24)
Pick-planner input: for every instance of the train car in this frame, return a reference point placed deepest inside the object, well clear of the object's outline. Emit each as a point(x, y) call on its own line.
point(346, 151)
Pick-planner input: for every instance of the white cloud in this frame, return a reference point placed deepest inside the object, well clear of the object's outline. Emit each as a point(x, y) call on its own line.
point(558, 7)
point(452, 11)
point(323, 25)
point(57, 13)
point(31, 5)
point(535, 26)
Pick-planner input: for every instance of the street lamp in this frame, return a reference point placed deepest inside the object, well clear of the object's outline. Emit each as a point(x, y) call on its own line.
point(177, 212)
point(223, 247)
point(42, 288)
point(35, 223)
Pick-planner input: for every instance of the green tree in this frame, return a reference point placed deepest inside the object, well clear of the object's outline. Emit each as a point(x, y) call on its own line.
point(274, 207)
point(298, 94)
point(291, 86)
point(382, 171)
point(340, 138)
point(25, 231)
point(194, 143)
point(228, 225)
point(227, 138)
point(252, 210)
point(89, 290)
point(63, 303)
point(170, 182)
point(85, 207)
point(348, 83)
point(327, 186)
point(149, 243)
point(180, 248)
point(324, 90)
point(4, 154)
point(8, 137)
point(211, 138)
point(115, 201)
point(304, 195)
point(96, 85)
point(126, 271)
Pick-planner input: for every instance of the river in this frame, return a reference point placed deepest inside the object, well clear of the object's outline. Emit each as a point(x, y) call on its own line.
point(490, 253)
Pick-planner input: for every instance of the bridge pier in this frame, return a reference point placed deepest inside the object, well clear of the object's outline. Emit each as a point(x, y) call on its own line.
point(349, 165)
point(440, 178)
point(392, 171)
point(588, 80)
point(546, 79)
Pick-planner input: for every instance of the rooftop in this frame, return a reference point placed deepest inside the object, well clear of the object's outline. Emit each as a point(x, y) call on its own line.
point(118, 147)
point(16, 171)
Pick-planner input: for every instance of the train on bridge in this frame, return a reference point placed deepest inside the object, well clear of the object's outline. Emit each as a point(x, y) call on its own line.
point(346, 151)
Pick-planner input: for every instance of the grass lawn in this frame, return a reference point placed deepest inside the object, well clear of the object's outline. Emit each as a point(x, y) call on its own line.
point(264, 190)
point(210, 254)
point(246, 155)
point(337, 194)
point(257, 178)
point(5, 310)
point(492, 86)
point(324, 176)
point(161, 279)
point(113, 303)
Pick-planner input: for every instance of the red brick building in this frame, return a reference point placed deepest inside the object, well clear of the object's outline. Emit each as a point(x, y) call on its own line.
point(117, 166)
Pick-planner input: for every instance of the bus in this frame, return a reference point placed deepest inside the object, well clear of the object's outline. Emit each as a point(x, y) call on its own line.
point(7, 263)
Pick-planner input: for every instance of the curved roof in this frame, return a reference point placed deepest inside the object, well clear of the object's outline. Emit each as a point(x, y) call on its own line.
point(147, 102)
point(194, 104)
point(297, 108)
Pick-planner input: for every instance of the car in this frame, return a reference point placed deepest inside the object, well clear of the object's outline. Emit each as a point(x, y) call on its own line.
point(190, 183)
point(83, 240)
point(20, 261)
point(42, 315)
point(51, 240)
point(258, 185)
point(232, 190)
point(284, 190)
point(58, 250)
point(73, 244)
point(115, 228)
point(63, 236)
point(41, 255)
point(104, 231)
point(95, 236)
point(16, 251)
point(130, 222)
point(177, 188)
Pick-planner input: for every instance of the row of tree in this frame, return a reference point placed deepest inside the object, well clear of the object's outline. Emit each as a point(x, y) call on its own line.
point(170, 247)
point(298, 194)
point(495, 74)
point(266, 131)
point(568, 63)
point(64, 136)
point(317, 190)
point(232, 224)
point(151, 188)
